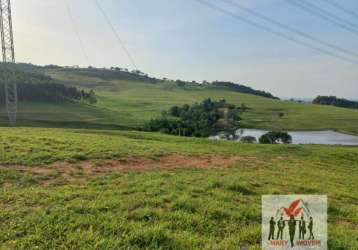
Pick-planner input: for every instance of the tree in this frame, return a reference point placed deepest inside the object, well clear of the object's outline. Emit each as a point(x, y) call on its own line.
point(267, 139)
point(92, 97)
point(275, 137)
point(174, 111)
point(180, 83)
point(233, 114)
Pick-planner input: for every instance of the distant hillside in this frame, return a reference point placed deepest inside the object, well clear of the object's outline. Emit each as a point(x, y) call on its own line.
point(111, 74)
point(243, 89)
point(122, 74)
point(35, 87)
point(334, 101)
point(124, 103)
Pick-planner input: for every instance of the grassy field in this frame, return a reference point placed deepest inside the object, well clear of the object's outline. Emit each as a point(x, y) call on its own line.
point(118, 189)
point(131, 104)
point(135, 103)
point(183, 207)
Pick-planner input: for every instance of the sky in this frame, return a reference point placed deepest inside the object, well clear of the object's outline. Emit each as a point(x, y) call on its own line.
point(184, 39)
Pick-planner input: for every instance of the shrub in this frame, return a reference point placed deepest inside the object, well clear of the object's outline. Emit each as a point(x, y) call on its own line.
point(275, 137)
point(248, 139)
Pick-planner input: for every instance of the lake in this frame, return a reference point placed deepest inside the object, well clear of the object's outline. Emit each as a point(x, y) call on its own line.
point(328, 137)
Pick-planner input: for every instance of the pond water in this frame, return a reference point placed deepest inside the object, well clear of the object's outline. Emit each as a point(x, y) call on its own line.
point(328, 137)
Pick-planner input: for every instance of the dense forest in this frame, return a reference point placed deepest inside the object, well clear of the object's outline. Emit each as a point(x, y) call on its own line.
point(199, 120)
point(334, 101)
point(42, 88)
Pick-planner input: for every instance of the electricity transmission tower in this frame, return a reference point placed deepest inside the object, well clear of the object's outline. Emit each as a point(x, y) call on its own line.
point(8, 54)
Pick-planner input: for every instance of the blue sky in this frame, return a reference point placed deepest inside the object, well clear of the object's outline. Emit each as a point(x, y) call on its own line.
point(186, 40)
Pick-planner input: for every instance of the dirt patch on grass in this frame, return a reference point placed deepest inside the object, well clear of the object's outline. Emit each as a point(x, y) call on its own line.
point(346, 223)
point(88, 169)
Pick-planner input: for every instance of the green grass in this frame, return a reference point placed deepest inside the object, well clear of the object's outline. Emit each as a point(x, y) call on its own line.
point(62, 115)
point(215, 208)
point(136, 103)
point(131, 104)
point(142, 103)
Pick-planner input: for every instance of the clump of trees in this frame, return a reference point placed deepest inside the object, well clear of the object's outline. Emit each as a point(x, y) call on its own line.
point(275, 138)
point(42, 88)
point(334, 101)
point(89, 96)
point(198, 120)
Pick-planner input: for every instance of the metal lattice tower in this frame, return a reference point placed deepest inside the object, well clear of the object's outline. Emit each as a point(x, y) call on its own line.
point(8, 54)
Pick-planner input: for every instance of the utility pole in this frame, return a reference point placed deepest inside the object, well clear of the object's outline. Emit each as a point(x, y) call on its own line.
point(8, 55)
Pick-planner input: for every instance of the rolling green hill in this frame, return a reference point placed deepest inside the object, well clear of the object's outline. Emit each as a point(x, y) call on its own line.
point(125, 101)
point(102, 188)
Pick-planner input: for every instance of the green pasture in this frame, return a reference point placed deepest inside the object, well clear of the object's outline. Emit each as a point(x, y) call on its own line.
point(184, 208)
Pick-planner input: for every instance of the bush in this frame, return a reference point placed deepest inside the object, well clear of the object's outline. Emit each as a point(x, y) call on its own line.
point(275, 138)
point(248, 139)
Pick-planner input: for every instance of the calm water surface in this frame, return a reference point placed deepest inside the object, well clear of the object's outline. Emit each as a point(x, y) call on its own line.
point(310, 137)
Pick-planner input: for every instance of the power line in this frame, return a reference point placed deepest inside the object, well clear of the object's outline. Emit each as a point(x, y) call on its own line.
point(319, 14)
point(277, 33)
point(327, 13)
point(76, 31)
point(291, 29)
point(340, 7)
point(116, 34)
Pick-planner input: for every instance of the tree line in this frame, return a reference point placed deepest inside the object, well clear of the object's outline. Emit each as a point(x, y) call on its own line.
point(198, 120)
point(243, 89)
point(114, 73)
point(334, 101)
point(42, 88)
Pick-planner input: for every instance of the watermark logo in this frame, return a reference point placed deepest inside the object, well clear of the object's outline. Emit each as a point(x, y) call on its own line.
point(294, 222)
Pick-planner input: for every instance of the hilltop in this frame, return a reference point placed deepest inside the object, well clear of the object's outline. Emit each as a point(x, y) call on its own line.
point(130, 99)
